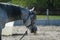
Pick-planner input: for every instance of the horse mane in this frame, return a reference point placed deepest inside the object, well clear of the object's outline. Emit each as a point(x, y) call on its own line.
point(9, 4)
point(13, 11)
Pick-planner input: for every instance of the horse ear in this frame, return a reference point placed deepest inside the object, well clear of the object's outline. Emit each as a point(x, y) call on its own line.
point(32, 9)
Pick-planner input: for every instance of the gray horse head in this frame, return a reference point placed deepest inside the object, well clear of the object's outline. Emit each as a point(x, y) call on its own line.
point(11, 12)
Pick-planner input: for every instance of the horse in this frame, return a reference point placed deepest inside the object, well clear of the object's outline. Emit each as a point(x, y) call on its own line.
point(12, 12)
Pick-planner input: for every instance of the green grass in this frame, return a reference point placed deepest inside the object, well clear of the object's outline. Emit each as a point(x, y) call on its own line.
point(50, 17)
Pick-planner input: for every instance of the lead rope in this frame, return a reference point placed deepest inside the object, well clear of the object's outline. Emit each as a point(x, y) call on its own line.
point(23, 35)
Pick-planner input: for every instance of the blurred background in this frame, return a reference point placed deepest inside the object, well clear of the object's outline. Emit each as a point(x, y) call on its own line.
point(47, 11)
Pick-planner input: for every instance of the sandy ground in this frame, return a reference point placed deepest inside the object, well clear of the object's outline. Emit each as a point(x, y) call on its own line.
point(43, 33)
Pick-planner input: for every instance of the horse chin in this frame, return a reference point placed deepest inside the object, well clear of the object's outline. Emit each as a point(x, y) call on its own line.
point(34, 30)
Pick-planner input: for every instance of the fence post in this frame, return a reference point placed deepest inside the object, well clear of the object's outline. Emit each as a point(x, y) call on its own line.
point(47, 16)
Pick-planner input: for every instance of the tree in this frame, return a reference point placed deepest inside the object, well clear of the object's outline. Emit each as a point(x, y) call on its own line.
point(5, 0)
